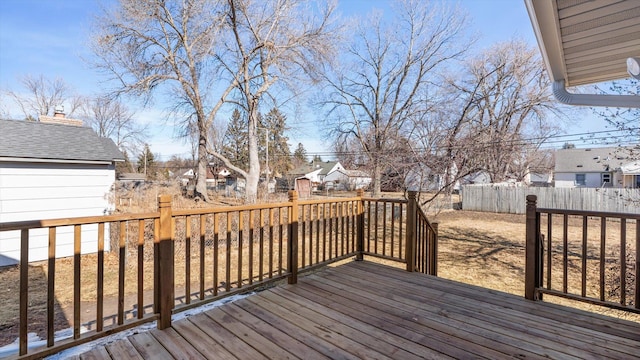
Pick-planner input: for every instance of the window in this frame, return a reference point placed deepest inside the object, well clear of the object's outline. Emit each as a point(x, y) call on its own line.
point(581, 179)
point(606, 178)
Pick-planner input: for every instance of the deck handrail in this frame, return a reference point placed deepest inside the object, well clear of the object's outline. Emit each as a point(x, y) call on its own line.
point(544, 261)
point(263, 243)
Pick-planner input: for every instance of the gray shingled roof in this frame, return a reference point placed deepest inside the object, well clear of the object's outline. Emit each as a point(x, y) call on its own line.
point(35, 140)
point(593, 159)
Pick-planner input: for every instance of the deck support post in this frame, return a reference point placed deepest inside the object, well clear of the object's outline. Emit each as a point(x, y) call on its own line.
point(292, 238)
point(433, 251)
point(360, 226)
point(412, 212)
point(533, 265)
point(164, 260)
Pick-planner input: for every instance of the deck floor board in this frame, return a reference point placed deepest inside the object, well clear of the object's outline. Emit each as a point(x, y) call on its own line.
point(496, 319)
point(368, 310)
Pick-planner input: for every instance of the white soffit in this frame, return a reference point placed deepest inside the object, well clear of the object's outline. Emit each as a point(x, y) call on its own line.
point(586, 41)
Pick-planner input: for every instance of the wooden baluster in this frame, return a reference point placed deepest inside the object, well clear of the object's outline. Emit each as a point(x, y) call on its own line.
point(100, 280)
point(77, 234)
point(140, 269)
point(24, 290)
point(411, 232)
point(292, 245)
point(122, 254)
point(51, 292)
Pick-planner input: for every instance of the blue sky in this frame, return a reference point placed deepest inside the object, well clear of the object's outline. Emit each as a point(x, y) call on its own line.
point(51, 37)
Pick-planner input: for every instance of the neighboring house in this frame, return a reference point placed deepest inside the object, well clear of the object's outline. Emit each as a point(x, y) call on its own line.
point(422, 178)
point(477, 178)
point(597, 167)
point(342, 179)
point(316, 172)
point(538, 178)
point(54, 168)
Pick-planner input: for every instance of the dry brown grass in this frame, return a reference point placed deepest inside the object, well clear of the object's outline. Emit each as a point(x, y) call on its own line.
point(488, 250)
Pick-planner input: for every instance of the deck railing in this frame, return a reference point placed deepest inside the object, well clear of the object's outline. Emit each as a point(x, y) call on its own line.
point(173, 260)
point(587, 256)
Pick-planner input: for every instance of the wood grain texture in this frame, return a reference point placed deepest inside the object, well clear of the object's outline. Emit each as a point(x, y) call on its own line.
point(366, 310)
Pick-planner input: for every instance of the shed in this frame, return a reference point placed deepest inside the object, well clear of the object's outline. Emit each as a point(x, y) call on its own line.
point(53, 169)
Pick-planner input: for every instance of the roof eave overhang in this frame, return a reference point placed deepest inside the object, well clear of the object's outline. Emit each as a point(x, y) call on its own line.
point(544, 20)
point(55, 161)
point(546, 26)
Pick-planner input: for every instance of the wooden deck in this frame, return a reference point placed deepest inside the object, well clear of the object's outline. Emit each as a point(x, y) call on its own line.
point(366, 310)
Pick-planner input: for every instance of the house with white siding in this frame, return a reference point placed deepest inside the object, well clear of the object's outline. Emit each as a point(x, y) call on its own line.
point(617, 167)
point(49, 169)
point(343, 179)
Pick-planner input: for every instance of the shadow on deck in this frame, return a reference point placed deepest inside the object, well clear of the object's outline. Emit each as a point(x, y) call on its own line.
point(367, 310)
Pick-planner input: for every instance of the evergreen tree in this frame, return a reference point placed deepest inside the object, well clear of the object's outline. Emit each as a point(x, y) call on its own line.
point(147, 163)
point(124, 166)
point(235, 145)
point(300, 155)
point(275, 124)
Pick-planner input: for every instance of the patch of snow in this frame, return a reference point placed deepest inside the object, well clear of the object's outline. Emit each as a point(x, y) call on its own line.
point(34, 341)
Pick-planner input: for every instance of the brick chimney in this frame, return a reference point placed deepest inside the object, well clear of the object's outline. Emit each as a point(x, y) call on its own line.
point(58, 112)
point(59, 118)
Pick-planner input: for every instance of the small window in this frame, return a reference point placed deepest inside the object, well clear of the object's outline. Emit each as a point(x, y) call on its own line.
point(606, 178)
point(581, 179)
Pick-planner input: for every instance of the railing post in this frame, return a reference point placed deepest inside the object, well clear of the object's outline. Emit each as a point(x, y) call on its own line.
point(410, 242)
point(532, 261)
point(433, 251)
point(360, 226)
point(165, 264)
point(292, 246)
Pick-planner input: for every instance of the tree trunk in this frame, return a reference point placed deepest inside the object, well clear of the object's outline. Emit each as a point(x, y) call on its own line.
point(253, 175)
point(203, 162)
point(377, 177)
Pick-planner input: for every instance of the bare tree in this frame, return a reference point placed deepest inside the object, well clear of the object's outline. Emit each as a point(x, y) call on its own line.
point(511, 105)
point(372, 95)
point(110, 118)
point(624, 120)
point(40, 96)
point(493, 117)
point(272, 43)
point(209, 53)
point(146, 44)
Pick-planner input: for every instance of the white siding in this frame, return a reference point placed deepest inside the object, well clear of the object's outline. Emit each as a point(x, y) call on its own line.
point(36, 191)
point(592, 180)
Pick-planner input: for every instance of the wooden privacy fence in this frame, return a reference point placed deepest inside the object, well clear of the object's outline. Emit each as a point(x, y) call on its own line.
point(507, 199)
point(169, 261)
point(587, 256)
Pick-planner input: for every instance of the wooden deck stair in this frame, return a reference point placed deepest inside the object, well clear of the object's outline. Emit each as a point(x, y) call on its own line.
point(367, 310)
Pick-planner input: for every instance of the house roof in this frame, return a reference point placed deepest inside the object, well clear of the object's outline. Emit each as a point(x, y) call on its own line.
point(30, 140)
point(586, 41)
point(324, 167)
point(593, 159)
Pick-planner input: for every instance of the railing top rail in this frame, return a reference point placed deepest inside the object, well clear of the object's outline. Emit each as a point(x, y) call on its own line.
point(327, 201)
point(34, 224)
point(606, 214)
point(232, 208)
point(401, 201)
